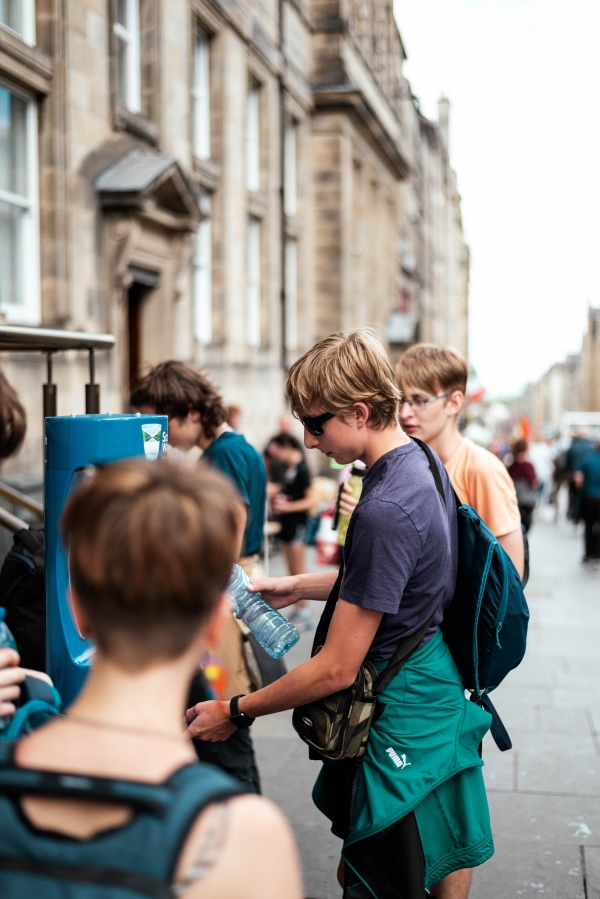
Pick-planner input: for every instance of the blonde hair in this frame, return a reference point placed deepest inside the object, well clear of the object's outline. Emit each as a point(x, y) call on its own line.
point(343, 369)
point(432, 368)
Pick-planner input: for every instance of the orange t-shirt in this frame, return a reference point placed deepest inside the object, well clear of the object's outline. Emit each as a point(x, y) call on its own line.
point(481, 480)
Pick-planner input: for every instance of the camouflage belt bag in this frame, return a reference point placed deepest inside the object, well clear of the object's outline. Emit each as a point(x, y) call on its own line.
point(337, 727)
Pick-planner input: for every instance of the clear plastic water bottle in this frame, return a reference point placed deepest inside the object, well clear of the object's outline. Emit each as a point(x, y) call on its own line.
point(274, 632)
point(7, 641)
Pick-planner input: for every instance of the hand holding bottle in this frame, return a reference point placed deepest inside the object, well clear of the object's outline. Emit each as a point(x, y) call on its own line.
point(274, 632)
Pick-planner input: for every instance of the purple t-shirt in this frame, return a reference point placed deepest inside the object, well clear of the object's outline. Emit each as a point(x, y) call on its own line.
point(401, 549)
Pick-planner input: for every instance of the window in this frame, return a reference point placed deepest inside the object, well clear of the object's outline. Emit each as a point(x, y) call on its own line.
point(291, 169)
point(253, 283)
point(19, 16)
point(203, 277)
point(19, 221)
point(201, 94)
point(253, 138)
point(291, 295)
point(127, 34)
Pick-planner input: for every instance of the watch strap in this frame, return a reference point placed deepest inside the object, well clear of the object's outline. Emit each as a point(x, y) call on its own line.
point(236, 716)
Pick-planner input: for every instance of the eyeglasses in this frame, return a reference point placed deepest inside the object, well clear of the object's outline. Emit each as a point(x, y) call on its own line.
point(313, 423)
point(418, 402)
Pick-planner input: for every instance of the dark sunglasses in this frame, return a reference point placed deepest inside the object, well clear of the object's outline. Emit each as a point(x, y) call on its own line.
point(313, 423)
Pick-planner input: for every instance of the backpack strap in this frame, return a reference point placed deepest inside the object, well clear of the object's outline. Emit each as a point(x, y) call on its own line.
point(497, 729)
point(15, 781)
point(434, 469)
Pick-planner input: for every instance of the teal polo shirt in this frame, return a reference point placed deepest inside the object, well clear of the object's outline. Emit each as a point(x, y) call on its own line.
point(232, 455)
point(591, 475)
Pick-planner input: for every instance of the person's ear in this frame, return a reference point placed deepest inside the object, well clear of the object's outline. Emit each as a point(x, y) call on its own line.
point(217, 622)
point(361, 414)
point(455, 402)
point(193, 415)
point(79, 616)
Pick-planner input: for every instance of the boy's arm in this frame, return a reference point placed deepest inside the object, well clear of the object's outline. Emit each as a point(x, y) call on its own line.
point(513, 544)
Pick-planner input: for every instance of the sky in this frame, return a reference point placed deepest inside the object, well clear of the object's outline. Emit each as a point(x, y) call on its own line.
point(523, 78)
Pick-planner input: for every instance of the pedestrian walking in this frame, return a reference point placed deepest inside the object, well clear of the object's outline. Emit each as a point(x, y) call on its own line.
point(526, 482)
point(587, 481)
point(109, 799)
point(413, 811)
point(581, 447)
point(197, 418)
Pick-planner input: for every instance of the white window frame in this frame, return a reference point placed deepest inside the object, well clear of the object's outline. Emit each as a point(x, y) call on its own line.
point(253, 282)
point(27, 312)
point(201, 95)
point(130, 35)
point(290, 189)
point(253, 137)
point(203, 306)
point(291, 294)
point(28, 33)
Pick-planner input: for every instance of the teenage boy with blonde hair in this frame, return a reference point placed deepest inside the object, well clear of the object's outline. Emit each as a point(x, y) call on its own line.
point(413, 813)
point(433, 382)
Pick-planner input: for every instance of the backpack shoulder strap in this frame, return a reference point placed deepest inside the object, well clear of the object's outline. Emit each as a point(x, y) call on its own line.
point(434, 469)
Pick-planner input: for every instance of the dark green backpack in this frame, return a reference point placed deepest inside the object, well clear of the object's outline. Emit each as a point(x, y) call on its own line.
point(485, 625)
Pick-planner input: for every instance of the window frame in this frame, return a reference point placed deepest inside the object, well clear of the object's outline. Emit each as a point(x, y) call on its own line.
point(253, 309)
point(202, 131)
point(202, 268)
point(27, 312)
point(28, 35)
point(290, 168)
point(131, 37)
point(291, 294)
point(252, 136)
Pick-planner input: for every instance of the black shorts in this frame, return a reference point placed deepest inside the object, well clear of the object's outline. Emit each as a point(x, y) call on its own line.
point(291, 531)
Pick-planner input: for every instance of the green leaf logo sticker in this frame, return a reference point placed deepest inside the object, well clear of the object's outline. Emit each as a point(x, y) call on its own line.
point(151, 434)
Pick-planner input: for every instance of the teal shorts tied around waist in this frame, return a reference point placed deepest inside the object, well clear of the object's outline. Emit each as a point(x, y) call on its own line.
point(422, 756)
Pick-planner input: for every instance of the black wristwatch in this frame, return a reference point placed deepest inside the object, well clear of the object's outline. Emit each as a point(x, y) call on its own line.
point(236, 717)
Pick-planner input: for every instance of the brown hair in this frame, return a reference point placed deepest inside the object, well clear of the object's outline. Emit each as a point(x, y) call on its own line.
point(432, 368)
point(13, 420)
point(521, 446)
point(151, 547)
point(341, 370)
point(173, 388)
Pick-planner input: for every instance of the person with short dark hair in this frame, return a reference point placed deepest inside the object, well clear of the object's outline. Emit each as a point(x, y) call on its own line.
point(197, 418)
point(151, 547)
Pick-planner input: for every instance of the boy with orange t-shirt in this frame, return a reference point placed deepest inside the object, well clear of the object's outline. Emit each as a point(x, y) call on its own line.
point(433, 382)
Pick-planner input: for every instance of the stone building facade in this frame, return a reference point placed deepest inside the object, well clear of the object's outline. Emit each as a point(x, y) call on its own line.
point(223, 181)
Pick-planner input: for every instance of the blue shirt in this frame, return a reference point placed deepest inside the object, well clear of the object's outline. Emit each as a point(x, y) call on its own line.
point(401, 551)
point(590, 470)
point(233, 456)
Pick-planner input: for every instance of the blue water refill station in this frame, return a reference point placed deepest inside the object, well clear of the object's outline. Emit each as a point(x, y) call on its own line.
point(73, 444)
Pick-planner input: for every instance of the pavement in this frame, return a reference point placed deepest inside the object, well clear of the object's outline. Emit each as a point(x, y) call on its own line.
point(544, 794)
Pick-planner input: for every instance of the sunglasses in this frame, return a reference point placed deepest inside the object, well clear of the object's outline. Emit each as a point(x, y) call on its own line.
point(313, 423)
